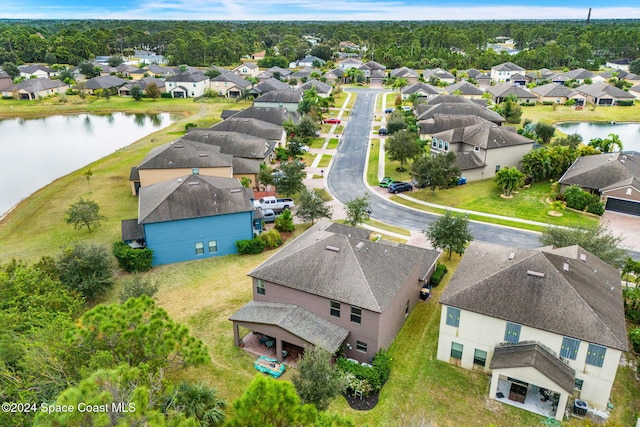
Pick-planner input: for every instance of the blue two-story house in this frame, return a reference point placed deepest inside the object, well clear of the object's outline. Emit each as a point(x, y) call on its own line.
point(195, 217)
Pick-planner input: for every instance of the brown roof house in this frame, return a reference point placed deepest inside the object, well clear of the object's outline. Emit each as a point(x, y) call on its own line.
point(482, 149)
point(234, 143)
point(547, 324)
point(465, 89)
point(500, 92)
point(423, 91)
point(179, 158)
point(411, 75)
point(604, 94)
point(35, 88)
point(557, 94)
point(333, 287)
point(289, 99)
point(253, 127)
point(230, 85)
point(614, 176)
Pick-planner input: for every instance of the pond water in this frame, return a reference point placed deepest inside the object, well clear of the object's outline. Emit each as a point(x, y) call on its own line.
point(35, 152)
point(629, 133)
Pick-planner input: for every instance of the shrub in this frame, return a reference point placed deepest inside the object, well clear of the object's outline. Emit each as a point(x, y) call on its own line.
point(382, 363)
point(284, 222)
point(548, 102)
point(138, 285)
point(132, 260)
point(166, 95)
point(366, 379)
point(438, 274)
point(625, 103)
point(250, 246)
point(189, 126)
point(580, 200)
point(272, 238)
point(570, 102)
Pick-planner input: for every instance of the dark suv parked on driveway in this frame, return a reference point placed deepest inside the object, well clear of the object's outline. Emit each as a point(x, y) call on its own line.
point(399, 187)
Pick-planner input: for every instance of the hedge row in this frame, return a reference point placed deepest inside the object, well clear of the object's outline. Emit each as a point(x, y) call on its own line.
point(132, 260)
point(437, 275)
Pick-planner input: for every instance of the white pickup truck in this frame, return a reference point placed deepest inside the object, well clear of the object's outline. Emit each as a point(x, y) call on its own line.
point(271, 202)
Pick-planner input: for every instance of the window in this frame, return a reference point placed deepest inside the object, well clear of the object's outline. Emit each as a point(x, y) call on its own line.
point(577, 384)
point(456, 350)
point(453, 316)
point(569, 348)
point(512, 333)
point(335, 308)
point(434, 143)
point(406, 309)
point(213, 246)
point(479, 357)
point(476, 149)
point(497, 168)
point(361, 346)
point(439, 143)
point(195, 171)
point(356, 314)
point(260, 287)
point(595, 355)
point(199, 248)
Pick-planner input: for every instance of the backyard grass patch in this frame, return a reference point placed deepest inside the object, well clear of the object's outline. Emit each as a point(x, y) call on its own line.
point(316, 142)
point(333, 143)
point(546, 113)
point(372, 165)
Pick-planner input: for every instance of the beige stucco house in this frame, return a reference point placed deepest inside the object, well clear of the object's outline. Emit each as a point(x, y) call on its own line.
point(547, 324)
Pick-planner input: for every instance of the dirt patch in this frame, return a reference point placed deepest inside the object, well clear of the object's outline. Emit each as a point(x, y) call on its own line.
point(363, 404)
point(493, 405)
point(504, 196)
point(555, 213)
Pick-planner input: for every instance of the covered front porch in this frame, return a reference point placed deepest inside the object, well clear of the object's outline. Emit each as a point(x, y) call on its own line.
point(283, 329)
point(530, 377)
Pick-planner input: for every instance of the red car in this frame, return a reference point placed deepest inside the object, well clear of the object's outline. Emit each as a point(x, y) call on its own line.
point(332, 121)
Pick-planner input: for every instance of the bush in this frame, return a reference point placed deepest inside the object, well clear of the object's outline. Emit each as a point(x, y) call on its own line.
point(570, 102)
point(166, 95)
point(189, 126)
point(548, 102)
point(136, 286)
point(250, 246)
point(625, 103)
point(85, 269)
point(271, 238)
point(366, 379)
point(132, 260)
point(284, 222)
point(580, 200)
point(437, 275)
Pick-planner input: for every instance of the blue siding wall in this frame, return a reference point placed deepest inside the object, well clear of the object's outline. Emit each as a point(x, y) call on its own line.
point(174, 241)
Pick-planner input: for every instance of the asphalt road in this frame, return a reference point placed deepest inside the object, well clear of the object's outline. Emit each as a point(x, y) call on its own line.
point(346, 182)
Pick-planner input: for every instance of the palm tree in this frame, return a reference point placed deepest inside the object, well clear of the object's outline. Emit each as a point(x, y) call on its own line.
point(508, 179)
point(614, 140)
point(199, 401)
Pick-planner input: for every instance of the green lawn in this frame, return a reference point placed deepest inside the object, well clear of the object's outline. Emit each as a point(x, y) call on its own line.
point(548, 114)
point(390, 167)
point(324, 161)
point(333, 143)
point(372, 166)
point(316, 142)
point(484, 196)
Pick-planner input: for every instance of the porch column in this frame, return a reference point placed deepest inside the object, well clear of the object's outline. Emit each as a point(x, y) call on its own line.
point(562, 406)
point(493, 389)
point(236, 334)
point(279, 349)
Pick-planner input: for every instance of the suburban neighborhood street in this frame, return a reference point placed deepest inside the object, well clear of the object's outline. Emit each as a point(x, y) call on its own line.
point(345, 181)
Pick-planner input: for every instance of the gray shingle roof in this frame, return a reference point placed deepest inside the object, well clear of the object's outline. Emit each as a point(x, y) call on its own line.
point(504, 89)
point(554, 89)
point(404, 72)
point(417, 87)
point(233, 78)
point(104, 82)
point(275, 115)
point(601, 89)
point(234, 143)
point(253, 127)
point(584, 303)
point(193, 196)
point(465, 88)
point(373, 65)
point(30, 69)
point(296, 320)
point(443, 122)
point(484, 135)
point(467, 160)
point(245, 166)
point(185, 153)
point(270, 85)
point(466, 108)
point(533, 355)
point(362, 273)
point(438, 73)
point(144, 82)
point(131, 230)
point(36, 85)
point(601, 170)
point(320, 86)
point(286, 96)
point(187, 77)
point(508, 66)
point(134, 175)
point(579, 74)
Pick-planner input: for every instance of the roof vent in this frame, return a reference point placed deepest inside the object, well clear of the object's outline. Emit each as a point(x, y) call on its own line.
point(535, 273)
point(583, 257)
point(194, 183)
point(565, 267)
point(203, 154)
point(333, 248)
point(359, 246)
point(512, 255)
point(235, 190)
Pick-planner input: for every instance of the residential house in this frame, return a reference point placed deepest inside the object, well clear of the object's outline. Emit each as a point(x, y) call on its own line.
point(442, 122)
point(322, 89)
point(501, 91)
point(614, 176)
point(423, 91)
point(160, 70)
point(247, 69)
point(557, 94)
point(635, 90)
point(309, 61)
point(36, 71)
point(258, 55)
point(377, 78)
point(482, 149)
point(482, 79)
point(456, 105)
point(518, 79)
point(274, 72)
point(179, 158)
point(268, 86)
point(125, 90)
point(410, 75)
point(289, 99)
point(350, 63)
point(619, 64)
point(187, 85)
point(5, 80)
point(457, 99)
point(305, 73)
point(439, 74)
point(103, 83)
point(253, 127)
point(127, 70)
point(234, 143)
point(276, 115)
point(541, 75)
point(148, 57)
point(604, 94)
point(373, 65)
point(194, 217)
point(547, 324)
point(335, 76)
point(334, 287)
point(580, 75)
point(230, 85)
point(502, 73)
point(464, 89)
point(35, 88)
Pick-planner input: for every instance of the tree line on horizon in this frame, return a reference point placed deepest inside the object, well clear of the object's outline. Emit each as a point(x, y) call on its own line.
point(415, 44)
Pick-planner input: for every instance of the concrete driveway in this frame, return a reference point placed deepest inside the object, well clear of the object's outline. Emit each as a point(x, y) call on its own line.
point(624, 225)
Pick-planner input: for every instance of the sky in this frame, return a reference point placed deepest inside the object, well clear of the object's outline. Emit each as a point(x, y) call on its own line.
point(318, 10)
